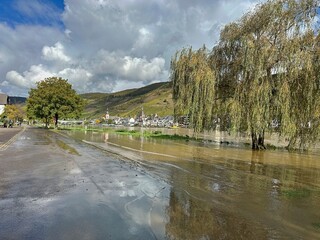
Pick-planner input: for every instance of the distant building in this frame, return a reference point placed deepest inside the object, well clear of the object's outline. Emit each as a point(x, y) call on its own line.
point(132, 122)
point(107, 115)
point(141, 118)
point(4, 100)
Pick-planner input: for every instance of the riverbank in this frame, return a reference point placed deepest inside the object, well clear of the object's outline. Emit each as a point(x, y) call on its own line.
point(242, 140)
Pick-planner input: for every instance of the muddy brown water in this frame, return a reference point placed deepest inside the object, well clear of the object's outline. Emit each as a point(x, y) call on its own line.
point(223, 192)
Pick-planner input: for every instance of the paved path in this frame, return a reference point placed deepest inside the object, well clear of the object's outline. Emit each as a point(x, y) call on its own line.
point(53, 187)
point(8, 136)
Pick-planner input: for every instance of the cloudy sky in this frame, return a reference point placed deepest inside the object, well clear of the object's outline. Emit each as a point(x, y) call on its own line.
point(103, 45)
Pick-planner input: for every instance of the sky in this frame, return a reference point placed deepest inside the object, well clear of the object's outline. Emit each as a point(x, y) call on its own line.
point(104, 45)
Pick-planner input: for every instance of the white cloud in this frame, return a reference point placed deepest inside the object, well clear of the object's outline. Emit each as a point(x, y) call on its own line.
point(145, 38)
point(79, 78)
point(100, 73)
point(55, 53)
point(28, 78)
point(16, 79)
point(21, 48)
point(141, 69)
point(129, 68)
point(94, 25)
point(2, 58)
point(108, 45)
point(125, 84)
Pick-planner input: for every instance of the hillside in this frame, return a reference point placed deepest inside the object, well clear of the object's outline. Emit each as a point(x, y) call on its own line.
point(155, 99)
point(17, 100)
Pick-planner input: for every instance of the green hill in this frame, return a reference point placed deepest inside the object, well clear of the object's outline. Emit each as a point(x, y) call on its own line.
point(155, 99)
point(17, 100)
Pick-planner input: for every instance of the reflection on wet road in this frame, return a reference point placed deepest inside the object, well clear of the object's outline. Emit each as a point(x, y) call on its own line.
point(50, 190)
point(56, 186)
point(226, 193)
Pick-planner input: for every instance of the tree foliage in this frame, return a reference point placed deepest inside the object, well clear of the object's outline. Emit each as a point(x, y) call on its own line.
point(193, 87)
point(14, 113)
point(54, 98)
point(266, 73)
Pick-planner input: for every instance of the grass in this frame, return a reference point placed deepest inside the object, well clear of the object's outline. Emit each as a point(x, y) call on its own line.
point(316, 225)
point(67, 148)
point(175, 137)
point(296, 193)
point(155, 98)
point(128, 132)
point(81, 128)
point(155, 134)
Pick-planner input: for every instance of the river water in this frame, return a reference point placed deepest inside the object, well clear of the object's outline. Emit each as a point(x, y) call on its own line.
point(224, 192)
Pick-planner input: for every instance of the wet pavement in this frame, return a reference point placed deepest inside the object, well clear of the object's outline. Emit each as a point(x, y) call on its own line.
point(91, 185)
point(218, 192)
point(8, 135)
point(53, 187)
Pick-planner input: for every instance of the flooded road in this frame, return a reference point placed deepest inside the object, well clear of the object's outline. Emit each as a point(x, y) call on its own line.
point(52, 187)
point(89, 185)
point(216, 192)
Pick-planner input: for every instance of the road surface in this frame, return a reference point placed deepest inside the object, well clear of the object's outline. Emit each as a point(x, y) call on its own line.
point(53, 187)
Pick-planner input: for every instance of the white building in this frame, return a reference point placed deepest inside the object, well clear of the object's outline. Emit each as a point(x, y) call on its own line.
point(132, 122)
point(3, 102)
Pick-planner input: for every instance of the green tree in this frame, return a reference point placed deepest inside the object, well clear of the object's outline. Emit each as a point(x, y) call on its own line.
point(301, 113)
point(272, 56)
point(54, 98)
point(264, 70)
point(225, 58)
point(193, 87)
point(14, 112)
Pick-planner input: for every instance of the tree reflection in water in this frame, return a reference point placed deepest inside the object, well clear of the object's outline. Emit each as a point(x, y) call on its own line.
point(192, 218)
point(231, 193)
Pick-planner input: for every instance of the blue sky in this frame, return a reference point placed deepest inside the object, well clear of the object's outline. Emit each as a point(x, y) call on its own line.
point(103, 45)
point(31, 12)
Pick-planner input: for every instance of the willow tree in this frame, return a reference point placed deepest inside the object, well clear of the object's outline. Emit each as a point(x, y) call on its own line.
point(262, 58)
point(193, 87)
point(296, 87)
point(226, 59)
point(53, 98)
point(263, 72)
point(301, 114)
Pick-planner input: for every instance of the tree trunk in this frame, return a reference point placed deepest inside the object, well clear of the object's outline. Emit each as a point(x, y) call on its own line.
point(254, 141)
point(47, 123)
point(56, 120)
point(257, 140)
point(293, 142)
